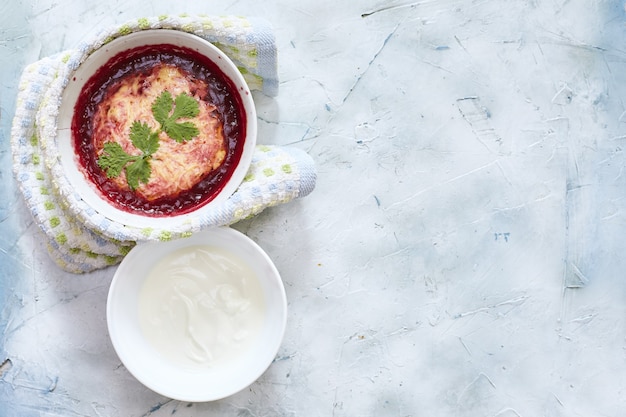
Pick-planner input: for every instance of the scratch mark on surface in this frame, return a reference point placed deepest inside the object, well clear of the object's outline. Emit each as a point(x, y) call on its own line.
point(448, 181)
point(369, 65)
point(44, 11)
point(309, 131)
point(516, 302)
point(28, 409)
point(507, 411)
point(467, 349)
point(59, 302)
point(478, 117)
point(572, 43)
point(581, 322)
point(472, 386)
point(456, 38)
point(54, 384)
point(284, 357)
point(389, 8)
point(6, 41)
point(578, 211)
point(577, 279)
point(5, 367)
point(584, 319)
point(565, 95)
point(156, 408)
point(430, 284)
point(437, 66)
point(401, 331)
point(558, 399)
point(488, 379)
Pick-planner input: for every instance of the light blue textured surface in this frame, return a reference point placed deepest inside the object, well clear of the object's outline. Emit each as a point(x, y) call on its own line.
point(461, 255)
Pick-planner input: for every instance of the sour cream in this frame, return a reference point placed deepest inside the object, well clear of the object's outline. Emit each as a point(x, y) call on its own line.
point(201, 306)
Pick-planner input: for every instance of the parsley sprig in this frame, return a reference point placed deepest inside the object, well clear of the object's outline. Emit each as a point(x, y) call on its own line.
point(185, 107)
point(114, 159)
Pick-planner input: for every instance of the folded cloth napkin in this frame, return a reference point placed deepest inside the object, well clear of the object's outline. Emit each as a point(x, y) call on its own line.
point(80, 239)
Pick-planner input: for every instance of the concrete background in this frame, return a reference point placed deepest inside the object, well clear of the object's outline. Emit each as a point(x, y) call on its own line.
point(460, 256)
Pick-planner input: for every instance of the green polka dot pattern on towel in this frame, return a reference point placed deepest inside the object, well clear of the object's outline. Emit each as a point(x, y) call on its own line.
point(79, 239)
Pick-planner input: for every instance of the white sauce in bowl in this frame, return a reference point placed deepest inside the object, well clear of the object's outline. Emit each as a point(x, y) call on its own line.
point(201, 306)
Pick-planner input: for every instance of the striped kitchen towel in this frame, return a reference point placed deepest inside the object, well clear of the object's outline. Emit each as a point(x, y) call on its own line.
point(80, 239)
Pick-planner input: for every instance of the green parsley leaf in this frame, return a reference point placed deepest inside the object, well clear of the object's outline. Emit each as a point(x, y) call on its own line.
point(143, 138)
point(137, 167)
point(185, 107)
point(181, 132)
point(138, 171)
point(114, 159)
point(161, 107)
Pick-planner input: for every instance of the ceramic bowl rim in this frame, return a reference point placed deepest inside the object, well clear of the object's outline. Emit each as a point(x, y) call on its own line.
point(70, 166)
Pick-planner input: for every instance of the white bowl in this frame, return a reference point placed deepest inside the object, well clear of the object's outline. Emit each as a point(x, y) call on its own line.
point(71, 169)
point(159, 371)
